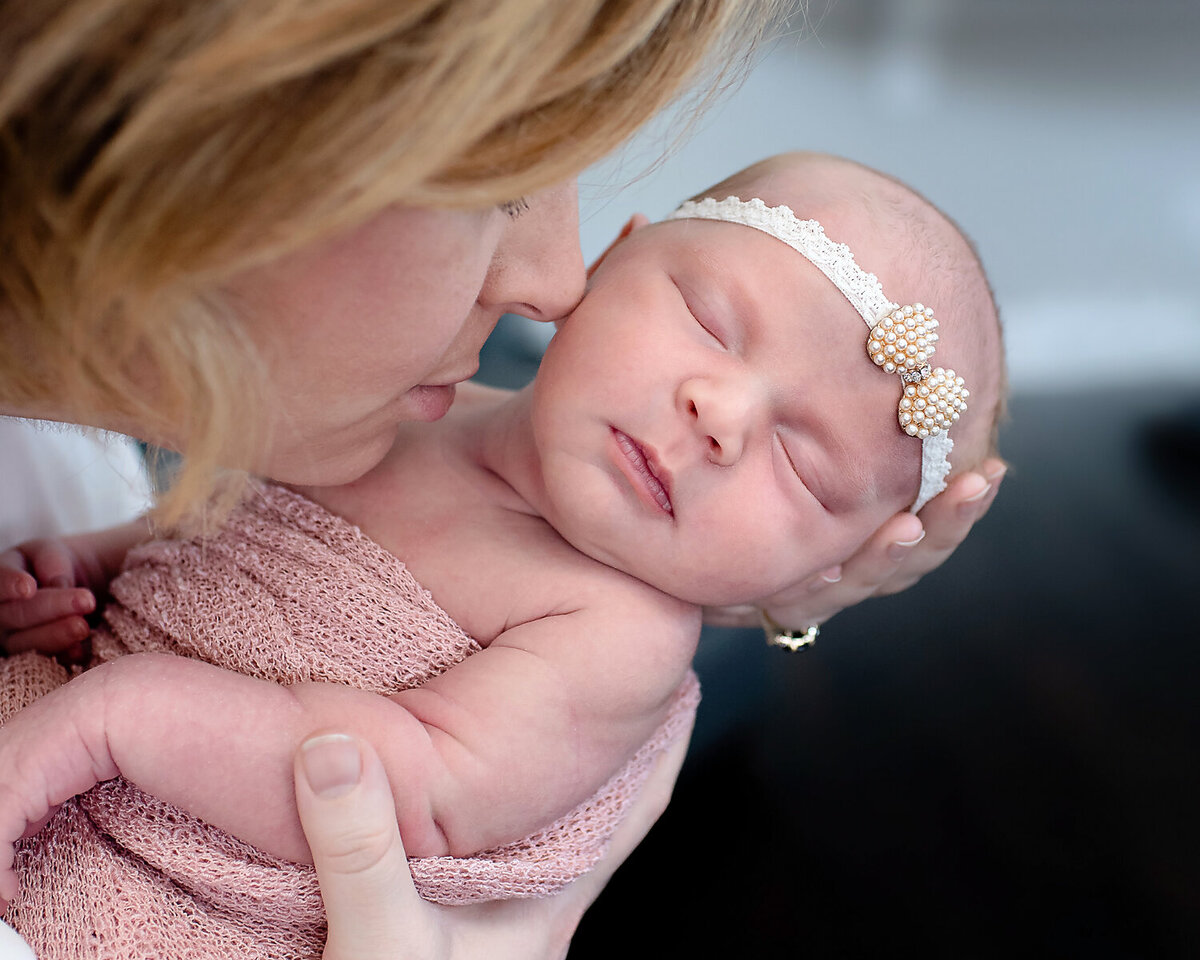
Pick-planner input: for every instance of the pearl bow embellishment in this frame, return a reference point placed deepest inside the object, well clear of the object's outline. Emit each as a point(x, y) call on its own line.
point(901, 339)
point(902, 342)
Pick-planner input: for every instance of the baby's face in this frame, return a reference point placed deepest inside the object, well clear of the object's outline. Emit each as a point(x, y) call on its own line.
point(708, 420)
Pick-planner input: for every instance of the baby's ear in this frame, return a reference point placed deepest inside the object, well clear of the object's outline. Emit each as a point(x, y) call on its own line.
point(636, 222)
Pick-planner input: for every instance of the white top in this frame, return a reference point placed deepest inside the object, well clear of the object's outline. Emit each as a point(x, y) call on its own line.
point(57, 479)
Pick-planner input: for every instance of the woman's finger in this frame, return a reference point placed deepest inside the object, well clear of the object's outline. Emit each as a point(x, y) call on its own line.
point(859, 577)
point(948, 518)
point(879, 558)
point(349, 817)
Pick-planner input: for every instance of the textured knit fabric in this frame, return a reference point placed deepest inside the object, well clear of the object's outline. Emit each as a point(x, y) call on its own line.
point(285, 592)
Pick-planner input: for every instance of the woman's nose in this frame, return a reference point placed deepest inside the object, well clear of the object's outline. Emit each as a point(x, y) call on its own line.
point(722, 414)
point(537, 270)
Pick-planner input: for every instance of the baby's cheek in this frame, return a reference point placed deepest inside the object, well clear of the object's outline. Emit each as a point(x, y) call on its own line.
point(767, 555)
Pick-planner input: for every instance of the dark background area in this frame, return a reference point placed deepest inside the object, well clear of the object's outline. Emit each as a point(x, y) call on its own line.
point(1001, 760)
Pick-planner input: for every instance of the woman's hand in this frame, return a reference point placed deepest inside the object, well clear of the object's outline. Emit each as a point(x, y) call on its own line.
point(374, 910)
point(902, 551)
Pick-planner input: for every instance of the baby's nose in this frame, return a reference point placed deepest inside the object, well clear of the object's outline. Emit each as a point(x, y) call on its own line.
point(721, 415)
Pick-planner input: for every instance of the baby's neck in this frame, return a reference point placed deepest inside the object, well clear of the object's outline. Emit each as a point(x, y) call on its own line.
point(496, 432)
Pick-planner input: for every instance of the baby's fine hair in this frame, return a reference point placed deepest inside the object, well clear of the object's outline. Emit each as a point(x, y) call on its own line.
point(942, 251)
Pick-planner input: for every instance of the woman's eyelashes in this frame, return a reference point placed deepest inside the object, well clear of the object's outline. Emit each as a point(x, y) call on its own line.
point(514, 208)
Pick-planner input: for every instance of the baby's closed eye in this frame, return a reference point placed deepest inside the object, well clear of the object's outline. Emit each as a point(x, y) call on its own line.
point(798, 467)
point(701, 313)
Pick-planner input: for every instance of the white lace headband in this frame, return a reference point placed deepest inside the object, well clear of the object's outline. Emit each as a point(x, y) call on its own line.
point(901, 338)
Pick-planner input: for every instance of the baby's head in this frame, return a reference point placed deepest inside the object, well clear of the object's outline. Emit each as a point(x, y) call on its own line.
point(709, 419)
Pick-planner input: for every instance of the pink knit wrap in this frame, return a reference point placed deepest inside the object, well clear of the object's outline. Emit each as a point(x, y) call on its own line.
point(285, 592)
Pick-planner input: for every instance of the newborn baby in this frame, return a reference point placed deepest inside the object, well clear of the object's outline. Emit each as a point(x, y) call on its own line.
point(735, 405)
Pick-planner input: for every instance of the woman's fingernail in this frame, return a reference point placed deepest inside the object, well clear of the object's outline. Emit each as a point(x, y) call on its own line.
point(993, 477)
point(332, 764)
point(825, 578)
point(970, 505)
point(975, 497)
point(84, 603)
point(901, 548)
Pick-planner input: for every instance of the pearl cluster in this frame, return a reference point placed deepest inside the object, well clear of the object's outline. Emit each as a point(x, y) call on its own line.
point(902, 342)
point(931, 406)
point(904, 339)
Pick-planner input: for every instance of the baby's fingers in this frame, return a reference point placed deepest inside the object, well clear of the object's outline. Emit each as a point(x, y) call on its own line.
point(45, 607)
point(51, 621)
point(63, 636)
point(52, 562)
point(16, 583)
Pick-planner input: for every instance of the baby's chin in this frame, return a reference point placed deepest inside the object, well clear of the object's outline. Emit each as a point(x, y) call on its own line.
point(718, 592)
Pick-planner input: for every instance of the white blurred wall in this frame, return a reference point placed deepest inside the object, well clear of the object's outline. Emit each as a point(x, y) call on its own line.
point(1064, 135)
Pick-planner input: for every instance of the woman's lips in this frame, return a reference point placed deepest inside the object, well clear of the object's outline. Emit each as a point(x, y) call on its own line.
point(431, 402)
point(650, 479)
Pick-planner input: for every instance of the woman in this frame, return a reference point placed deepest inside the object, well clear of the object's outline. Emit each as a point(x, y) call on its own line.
point(264, 233)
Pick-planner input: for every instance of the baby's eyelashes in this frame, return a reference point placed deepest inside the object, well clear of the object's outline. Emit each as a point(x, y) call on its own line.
point(798, 465)
point(707, 330)
point(787, 456)
point(701, 314)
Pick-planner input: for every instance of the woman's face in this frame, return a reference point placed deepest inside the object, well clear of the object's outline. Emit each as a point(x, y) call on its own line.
point(374, 327)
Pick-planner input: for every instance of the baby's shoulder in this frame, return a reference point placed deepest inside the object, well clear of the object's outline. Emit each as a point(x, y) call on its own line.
point(522, 570)
point(621, 646)
point(610, 602)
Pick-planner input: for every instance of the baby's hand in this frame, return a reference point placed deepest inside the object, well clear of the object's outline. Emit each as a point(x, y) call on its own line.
point(44, 598)
point(49, 752)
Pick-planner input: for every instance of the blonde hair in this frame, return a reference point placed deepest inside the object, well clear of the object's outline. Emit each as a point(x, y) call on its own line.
point(149, 151)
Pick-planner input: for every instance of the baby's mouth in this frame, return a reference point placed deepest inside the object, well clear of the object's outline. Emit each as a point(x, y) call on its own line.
point(644, 468)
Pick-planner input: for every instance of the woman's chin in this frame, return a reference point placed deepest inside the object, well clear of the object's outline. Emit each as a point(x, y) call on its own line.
point(351, 451)
point(339, 464)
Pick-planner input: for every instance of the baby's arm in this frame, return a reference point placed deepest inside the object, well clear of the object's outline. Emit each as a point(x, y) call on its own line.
point(501, 744)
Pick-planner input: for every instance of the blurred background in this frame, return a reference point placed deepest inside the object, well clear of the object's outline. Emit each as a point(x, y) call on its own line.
point(1014, 768)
